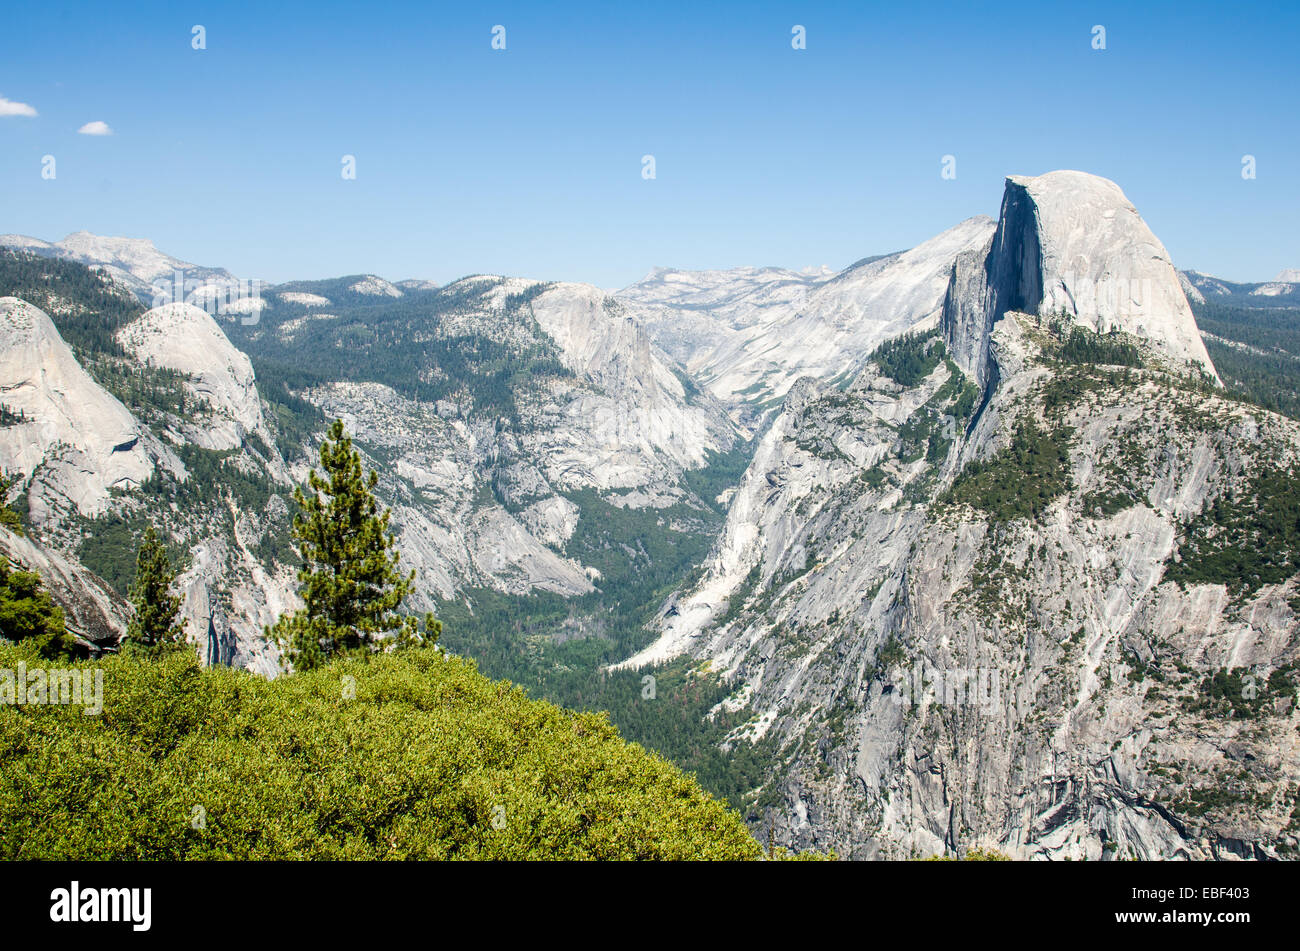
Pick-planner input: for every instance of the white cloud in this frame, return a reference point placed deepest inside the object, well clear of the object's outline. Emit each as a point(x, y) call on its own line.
point(10, 108)
point(95, 128)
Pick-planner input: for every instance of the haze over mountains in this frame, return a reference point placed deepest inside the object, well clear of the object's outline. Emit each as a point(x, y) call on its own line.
point(1003, 460)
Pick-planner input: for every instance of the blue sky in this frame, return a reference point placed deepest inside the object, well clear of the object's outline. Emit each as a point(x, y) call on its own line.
point(528, 161)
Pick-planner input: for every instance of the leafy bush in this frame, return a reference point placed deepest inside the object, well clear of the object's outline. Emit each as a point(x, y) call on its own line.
point(10, 517)
point(28, 613)
point(427, 760)
point(973, 855)
point(1239, 693)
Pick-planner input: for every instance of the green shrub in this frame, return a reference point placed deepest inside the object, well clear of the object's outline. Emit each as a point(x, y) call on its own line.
point(1021, 480)
point(427, 760)
point(29, 615)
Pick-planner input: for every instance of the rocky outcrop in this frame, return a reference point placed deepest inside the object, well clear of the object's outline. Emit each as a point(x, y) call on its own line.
point(793, 324)
point(77, 438)
point(1071, 243)
point(94, 613)
point(637, 420)
point(1076, 722)
point(186, 339)
point(432, 471)
point(375, 287)
point(228, 597)
point(933, 663)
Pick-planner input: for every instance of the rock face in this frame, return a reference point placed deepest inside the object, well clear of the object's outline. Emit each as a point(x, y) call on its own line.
point(794, 324)
point(982, 607)
point(691, 315)
point(93, 612)
point(375, 287)
point(1070, 243)
point(227, 596)
point(639, 420)
point(81, 439)
point(184, 338)
point(488, 480)
point(446, 530)
point(1077, 718)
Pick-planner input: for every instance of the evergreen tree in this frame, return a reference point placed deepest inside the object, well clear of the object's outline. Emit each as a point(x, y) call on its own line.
point(28, 613)
point(9, 518)
point(155, 625)
point(350, 582)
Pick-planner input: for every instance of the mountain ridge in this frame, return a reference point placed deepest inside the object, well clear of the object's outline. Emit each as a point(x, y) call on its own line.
point(968, 458)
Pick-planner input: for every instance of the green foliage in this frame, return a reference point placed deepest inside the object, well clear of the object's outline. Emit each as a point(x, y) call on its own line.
point(85, 306)
point(107, 548)
point(295, 421)
point(558, 647)
point(874, 477)
point(1020, 481)
point(721, 472)
point(1240, 694)
point(927, 432)
point(973, 855)
point(10, 518)
point(408, 756)
point(1264, 367)
point(212, 476)
point(1268, 380)
point(892, 654)
point(155, 625)
point(349, 582)
point(921, 435)
point(9, 418)
point(151, 393)
point(1246, 538)
point(1084, 346)
point(1104, 504)
point(419, 344)
point(909, 359)
point(28, 613)
point(964, 404)
point(1199, 802)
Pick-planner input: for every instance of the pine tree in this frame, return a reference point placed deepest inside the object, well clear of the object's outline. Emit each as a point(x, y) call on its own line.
point(28, 613)
point(350, 582)
point(9, 518)
point(155, 626)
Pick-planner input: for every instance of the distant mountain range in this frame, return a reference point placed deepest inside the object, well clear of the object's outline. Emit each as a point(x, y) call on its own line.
point(1282, 291)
